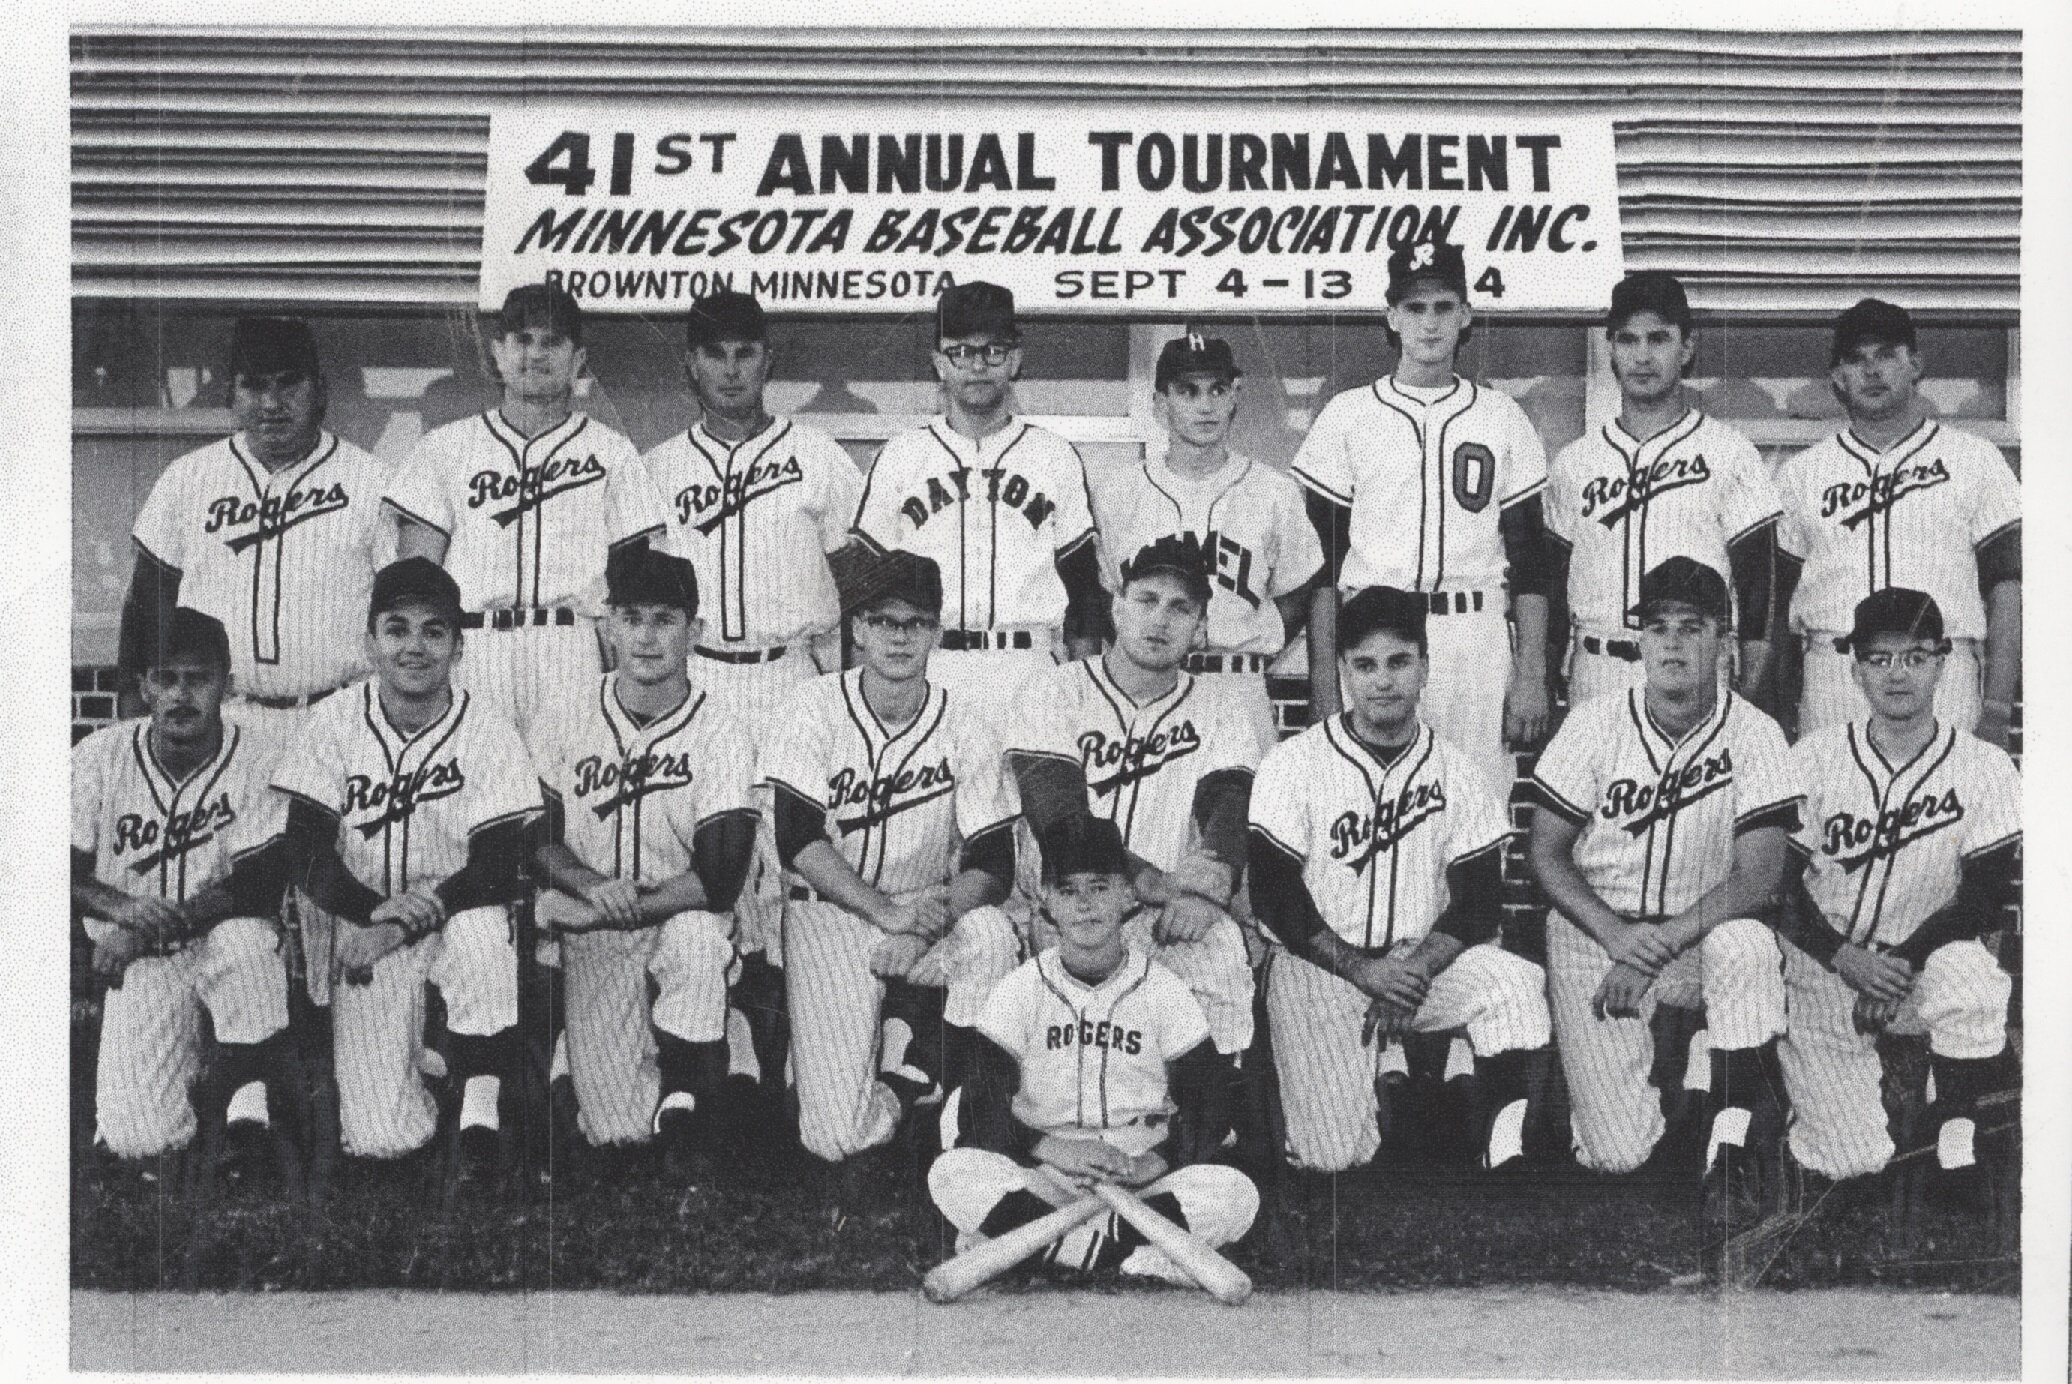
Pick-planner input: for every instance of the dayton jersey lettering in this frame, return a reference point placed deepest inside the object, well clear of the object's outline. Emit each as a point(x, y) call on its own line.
point(1142, 762)
point(898, 803)
point(995, 515)
point(407, 803)
point(284, 559)
point(1885, 842)
point(634, 796)
point(527, 522)
point(151, 833)
point(1426, 482)
point(1249, 519)
point(1375, 839)
point(1622, 506)
point(1093, 1057)
point(1659, 814)
point(757, 518)
point(1914, 515)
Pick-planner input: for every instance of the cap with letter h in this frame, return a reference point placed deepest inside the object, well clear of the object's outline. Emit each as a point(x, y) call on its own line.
point(1427, 261)
point(1177, 554)
point(1901, 611)
point(1682, 581)
point(638, 575)
point(976, 309)
point(1193, 354)
point(1083, 844)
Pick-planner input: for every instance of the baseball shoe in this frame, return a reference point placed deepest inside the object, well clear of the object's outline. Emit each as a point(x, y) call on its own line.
point(1732, 1197)
point(246, 1155)
point(478, 1154)
point(914, 1087)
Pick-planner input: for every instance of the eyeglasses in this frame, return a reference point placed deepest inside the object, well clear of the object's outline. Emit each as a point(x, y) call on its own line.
point(885, 624)
point(992, 353)
point(1913, 660)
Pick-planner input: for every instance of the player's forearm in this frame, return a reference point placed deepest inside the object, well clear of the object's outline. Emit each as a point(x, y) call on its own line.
point(1323, 653)
point(665, 899)
point(985, 870)
point(1529, 658)
point(1435, 951)
point(1802, 923)
point(97, 900)
point(416, 539)
point(2003, 673)
point(563, 869)
point(1985, 888)
point(494, 872)
point(1754, 679)
point(834, 879)
point(1753, 888)
point(1294, 609)
point(1554, 868)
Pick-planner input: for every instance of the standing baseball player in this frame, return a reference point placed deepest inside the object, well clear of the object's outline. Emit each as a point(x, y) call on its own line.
point(1377, 859)
point(1431, 483)
point(409, 804)
point(895, 826)
point(1247, 518)
point(1095, 1063)
point(1660, 837)
point(1911, 841)
point(523, 503)
point(1899, 498)
point(999, 505)
point(648, 837)
point(1661, 480)
point(172, 826)
point(1131, 736)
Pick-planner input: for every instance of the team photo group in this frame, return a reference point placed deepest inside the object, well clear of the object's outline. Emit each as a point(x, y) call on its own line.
point(528, 810)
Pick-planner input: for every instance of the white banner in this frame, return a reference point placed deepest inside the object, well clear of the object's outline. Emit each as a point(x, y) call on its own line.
point(1139, 210)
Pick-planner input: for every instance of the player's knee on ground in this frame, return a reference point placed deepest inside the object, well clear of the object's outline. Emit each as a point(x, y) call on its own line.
point(244, 980)
point(986, 947)
point(690, 964)
point(1743, 980)
point(1962, 995)
point(1512, 1014)
point(1219, 1202)
point(149, 1056)
point(477, 972)
point(966, 1184)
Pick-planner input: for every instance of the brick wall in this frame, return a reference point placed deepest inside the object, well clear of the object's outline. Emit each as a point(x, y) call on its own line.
point(93, 700)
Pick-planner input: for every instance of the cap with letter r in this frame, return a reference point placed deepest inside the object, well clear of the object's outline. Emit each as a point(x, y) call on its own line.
point(725, 316)
point(1649, 290)
point(1427, 261)
point(1682, 581)
point(1897, 610)
point(1083, 844)
point(975, 309)
point(541, 305)
point(895, 576)
point(190, 636)
point(636, 574)
point(272, 346)
point(1375, 609)
point(1176, 554)
point(416, 580)
point(1872, 319)
point(1193, 354)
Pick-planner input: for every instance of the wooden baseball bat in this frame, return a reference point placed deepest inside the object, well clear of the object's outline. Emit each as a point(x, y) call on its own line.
point(1221, 1279)
point(987, 1260)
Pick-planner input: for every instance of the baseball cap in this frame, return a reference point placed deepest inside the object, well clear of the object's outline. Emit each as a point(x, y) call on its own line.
point(895, 576)
point(271, 346)
point(725, 316)
point(1897, 610)
point(1193, 354)
point(1872, 319)
point(1683, 581)
point(541, 305)
point(1649, 290)
point(1181, 555)
point(1401, 613)
point(638, 575)
point(414, 579)
point(1083, 845)
point(191, 634)
point(975, 309)
point(1436, 260)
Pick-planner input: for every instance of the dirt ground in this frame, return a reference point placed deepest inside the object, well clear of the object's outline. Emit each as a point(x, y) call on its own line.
point(1554, 1334)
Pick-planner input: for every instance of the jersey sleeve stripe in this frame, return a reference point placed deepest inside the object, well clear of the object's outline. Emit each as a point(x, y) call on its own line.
point(1548, 798)
point(725, 814)
point(2013, 523)
point(2010, 839)
point(1312, 483)
point(145, 549)
point(867, 541)
point(1773, 517)
point(992, 827)
point(1782, 813)
point(801, 794)
point(413, 516)
point(1804, 850)
point(327, 809)
point(1067, 549)
point(518, 816)
point(1274, 841)
point(1526, 494)
point(1495, 845)
point(651, 531)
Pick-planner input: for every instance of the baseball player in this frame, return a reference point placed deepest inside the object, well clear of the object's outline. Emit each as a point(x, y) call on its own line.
point(1133, 737)
point(408, 806)
point(1247, 517)
point(1377, 859)
point(999, 504)
point(275, 531)
point(1096, 1063)
point(1910, 842)
point(171, 828)
point(1431, 483)
point(522, 503)
point(895, 825)
point(649, 834)
point(1660, 837)
point(1899, 498)
point(1661, 480)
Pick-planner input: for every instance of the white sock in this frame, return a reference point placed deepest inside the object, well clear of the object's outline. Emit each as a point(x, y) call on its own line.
point(558, 1067)
point(1460, 1059)
point(249, 1103)
point(1953, 1147)
point(478, 1103)
point(895, 1036)
point(1394, 1059)
point(741, 1047)
point(1730, 1126)
point(1507, 1134)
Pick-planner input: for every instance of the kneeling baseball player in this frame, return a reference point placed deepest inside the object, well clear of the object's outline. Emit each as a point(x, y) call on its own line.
point(648, 836)
point(1095, 1064)
point(1377, 859)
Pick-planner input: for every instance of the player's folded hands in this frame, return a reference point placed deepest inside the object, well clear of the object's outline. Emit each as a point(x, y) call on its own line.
point(616, 901)
point(416, 911)
point(1622, 992)
point(1874, 976)
point(1185, 918)
point(113, 956)
point(1084, 1161)
point(1873, 1013)
point(361, 946)
point(1644, 947)
point(897, 953)
point(154, 921)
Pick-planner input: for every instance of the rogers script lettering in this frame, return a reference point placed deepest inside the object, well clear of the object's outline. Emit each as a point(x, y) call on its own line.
point(181, 832)
point(1357, 837)
point(1879, 493)
point(533, 486)
point(1648, 803)
point(396, 798)
point(1620, 496)
point(1894, 829)
point(1133, 757)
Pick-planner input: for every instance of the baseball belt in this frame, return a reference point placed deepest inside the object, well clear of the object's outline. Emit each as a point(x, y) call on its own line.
point(296, 703)
point(769, 655)
point(961, 641)
point(1454, 602)
point(524, 617)
point(1618, 648)
point(1229, 663)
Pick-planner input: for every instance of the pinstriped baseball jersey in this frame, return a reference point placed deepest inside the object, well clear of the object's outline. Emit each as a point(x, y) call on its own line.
point(1142, 762)
point(757, 518)
point(1426, 479)
point(994, 515)
point(1375, 839)
point(1884, 842)
point(1660, 814)
point(407, 803)
point(1248, 517)
point(898, 803)
point(528, 522)
point(1093, 1057)
point(1913, 515)
point(151, 833)
point(284, 559)
point(1623, 505)
point(634, 796)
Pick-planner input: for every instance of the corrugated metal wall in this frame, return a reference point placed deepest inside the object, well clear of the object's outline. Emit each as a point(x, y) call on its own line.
point(1776, 172)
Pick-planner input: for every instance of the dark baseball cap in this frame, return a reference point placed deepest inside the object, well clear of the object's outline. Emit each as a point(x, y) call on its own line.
point(1683, 581)
point(1193, 354)
point(1436, 261)
point(975, 309)
point(1897, 610)
point(1873, 319)
point(272, 346)
point(1376, 608)
point(638, 575)
point(417, 579)
point(1180, 555)
point(725, 316)
point(895, 576)
point(1649, 290)
point(541, 305)
point(189, 634)
point(1083, 844)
